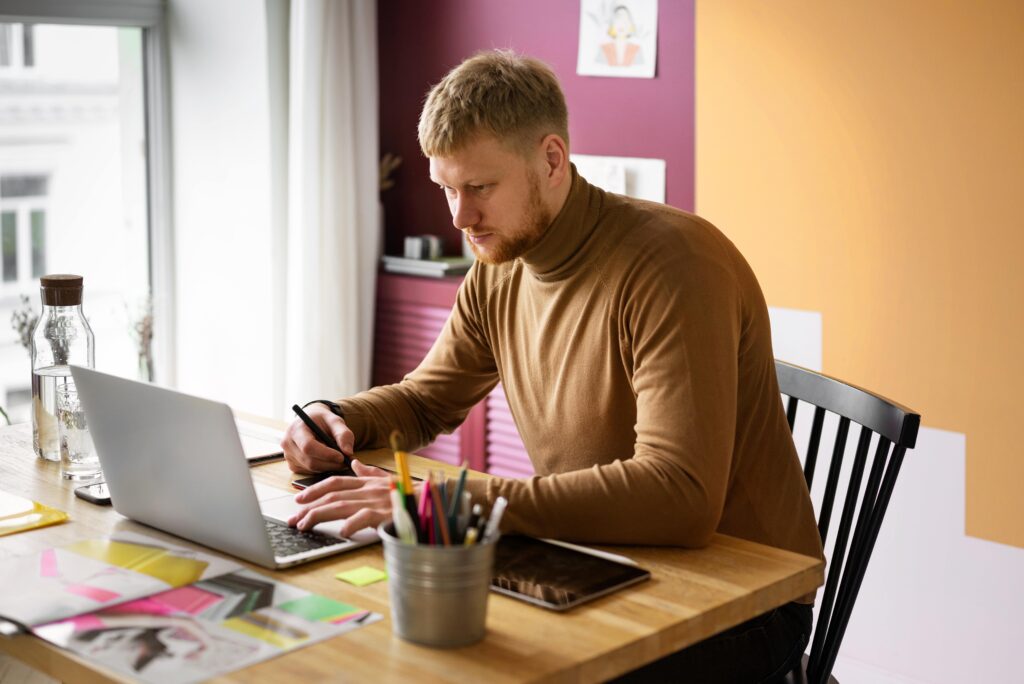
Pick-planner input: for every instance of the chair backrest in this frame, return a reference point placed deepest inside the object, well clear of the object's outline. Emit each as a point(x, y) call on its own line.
point(896, 427)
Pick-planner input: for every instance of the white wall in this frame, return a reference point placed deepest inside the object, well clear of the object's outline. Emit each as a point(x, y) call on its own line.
point(221, 156)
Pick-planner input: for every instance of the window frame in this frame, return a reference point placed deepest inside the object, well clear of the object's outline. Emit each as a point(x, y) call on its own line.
point(16, 44)
point(151, 17)
point(22, 208)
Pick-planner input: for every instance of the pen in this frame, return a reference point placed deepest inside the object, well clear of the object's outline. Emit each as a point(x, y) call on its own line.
point(474, 516)
point(409, 501)
point(405, 481)
point(462, 517)
point(491, 531)
point(265, 458)
point(625, 560)
point(321, 436)
point(403, 523)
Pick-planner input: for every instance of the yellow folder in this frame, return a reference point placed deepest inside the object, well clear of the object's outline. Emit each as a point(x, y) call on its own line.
point(18, 514)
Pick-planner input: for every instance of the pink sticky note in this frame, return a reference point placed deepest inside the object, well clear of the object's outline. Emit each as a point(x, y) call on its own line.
point(94, 593)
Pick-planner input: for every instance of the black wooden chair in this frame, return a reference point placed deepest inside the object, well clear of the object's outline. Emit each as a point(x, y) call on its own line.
point(896, 427)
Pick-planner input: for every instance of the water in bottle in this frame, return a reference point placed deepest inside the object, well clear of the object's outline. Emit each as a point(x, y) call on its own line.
point(61, 337)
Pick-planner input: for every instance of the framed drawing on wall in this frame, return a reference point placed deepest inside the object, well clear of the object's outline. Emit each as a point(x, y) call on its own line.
point(618, 38)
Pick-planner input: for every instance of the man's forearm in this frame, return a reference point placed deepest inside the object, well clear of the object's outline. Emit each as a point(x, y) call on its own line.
point(372, 416)
point(637, 501)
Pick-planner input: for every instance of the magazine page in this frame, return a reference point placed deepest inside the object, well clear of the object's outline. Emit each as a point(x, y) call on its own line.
point(205, 629)
point(81, 577)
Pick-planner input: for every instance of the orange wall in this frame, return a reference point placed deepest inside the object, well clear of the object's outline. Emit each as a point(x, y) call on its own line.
point(868, 159)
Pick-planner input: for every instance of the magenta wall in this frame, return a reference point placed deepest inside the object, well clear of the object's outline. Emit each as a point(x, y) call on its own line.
point(420, 41)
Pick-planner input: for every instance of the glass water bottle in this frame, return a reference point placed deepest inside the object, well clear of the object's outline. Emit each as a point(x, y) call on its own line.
point(61, 337)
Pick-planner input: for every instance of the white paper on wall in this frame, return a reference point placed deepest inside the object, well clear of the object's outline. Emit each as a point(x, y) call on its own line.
point(632, 176)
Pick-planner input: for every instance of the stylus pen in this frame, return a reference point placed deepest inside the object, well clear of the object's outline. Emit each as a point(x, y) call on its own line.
point(320, 435)
point(265, 458)
point(594, 552)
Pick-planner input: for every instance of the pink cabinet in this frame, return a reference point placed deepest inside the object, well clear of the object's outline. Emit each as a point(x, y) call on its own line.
point(410, 313)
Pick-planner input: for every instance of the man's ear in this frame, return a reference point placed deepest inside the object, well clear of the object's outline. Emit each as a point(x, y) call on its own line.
point(556, 159)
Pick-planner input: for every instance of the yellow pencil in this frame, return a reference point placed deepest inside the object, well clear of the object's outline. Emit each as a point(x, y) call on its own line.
point(401, 463)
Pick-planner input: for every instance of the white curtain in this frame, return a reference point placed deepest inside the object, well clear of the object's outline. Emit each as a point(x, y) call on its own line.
point(332, 241)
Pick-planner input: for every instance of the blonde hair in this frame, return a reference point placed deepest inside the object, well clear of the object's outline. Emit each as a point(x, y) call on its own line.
point(517, 99)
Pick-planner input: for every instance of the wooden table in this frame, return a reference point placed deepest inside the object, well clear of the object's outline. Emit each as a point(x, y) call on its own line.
point(693, 594)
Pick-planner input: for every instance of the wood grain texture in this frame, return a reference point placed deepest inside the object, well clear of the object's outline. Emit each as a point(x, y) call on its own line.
point(692, 595)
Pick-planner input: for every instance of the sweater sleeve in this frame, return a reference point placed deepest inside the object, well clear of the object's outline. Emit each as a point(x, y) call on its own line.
point(436, 397)
point(680, 323)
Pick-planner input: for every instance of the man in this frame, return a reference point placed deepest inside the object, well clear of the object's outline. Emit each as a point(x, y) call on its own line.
point(633, 343)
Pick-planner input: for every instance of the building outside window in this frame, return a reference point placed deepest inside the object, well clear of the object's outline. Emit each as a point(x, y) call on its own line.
point(73, 184)
point(22, 230)
point(17, 46)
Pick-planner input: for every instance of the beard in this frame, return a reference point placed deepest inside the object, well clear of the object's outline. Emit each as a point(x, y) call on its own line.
point(514, 245)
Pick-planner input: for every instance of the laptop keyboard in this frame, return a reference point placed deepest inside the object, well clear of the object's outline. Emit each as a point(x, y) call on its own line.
point(287, 541)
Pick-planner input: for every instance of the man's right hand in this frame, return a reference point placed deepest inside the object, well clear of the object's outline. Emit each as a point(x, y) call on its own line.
point(305, 454)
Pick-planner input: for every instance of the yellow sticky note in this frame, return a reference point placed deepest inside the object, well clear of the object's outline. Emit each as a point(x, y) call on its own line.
point(362, 576)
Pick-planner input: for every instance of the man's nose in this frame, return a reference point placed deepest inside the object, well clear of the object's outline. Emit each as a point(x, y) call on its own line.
point(464, 212)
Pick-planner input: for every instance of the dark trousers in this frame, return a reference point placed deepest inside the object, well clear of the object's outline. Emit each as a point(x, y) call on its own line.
point(764, 649)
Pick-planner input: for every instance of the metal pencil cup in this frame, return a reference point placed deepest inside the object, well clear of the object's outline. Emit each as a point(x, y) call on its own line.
point(438, 593)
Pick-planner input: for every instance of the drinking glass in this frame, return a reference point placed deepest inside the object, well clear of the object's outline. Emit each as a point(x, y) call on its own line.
point(78, 459)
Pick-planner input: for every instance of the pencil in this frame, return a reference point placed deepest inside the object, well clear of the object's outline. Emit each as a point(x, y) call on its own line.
point(440, 519)
point(402, 464)
point(405, 480)
point(425, 530)
point(456, 500)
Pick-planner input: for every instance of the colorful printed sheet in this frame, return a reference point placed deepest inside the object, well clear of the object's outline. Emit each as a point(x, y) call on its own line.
point(59, 583)
point(208, 628)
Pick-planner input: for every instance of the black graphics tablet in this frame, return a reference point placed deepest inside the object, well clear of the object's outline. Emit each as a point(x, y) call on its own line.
point(556, 577)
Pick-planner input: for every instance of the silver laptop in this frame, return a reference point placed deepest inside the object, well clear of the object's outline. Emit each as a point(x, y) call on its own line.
point(175, 462)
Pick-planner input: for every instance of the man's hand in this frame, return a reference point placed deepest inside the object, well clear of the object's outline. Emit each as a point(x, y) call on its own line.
point(363, 500)
point(305, 454)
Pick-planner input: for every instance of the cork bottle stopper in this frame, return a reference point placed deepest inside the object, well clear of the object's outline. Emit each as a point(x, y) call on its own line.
point(61, 289)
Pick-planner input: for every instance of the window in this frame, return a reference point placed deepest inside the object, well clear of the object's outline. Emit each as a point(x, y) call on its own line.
point(82, 87)
point(23, 204)
point(17, 46)
point(9, 236)
point(38, 222)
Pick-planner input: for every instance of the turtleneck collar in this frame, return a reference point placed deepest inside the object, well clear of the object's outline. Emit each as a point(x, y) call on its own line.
point(554, 256)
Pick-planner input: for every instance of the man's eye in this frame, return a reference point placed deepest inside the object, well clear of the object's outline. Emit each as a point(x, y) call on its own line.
point(478, 188)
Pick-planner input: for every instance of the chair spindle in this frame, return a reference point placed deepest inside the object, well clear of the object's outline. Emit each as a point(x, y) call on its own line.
point(812, 445)
point(833, 478)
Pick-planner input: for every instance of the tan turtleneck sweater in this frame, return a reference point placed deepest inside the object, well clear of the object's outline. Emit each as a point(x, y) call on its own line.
point(634, 347)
